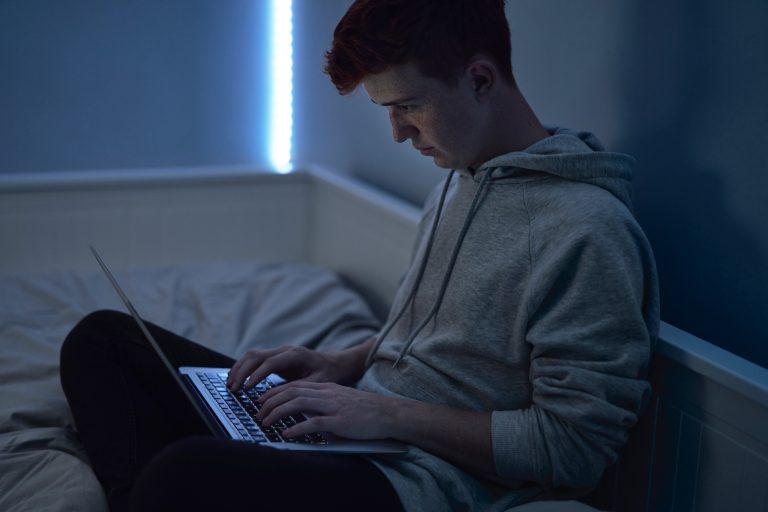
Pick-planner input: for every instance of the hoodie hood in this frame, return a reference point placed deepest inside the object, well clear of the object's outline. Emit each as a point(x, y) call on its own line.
point(577, 156)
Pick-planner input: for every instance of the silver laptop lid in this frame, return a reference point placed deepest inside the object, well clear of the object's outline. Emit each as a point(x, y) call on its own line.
point(156, 346)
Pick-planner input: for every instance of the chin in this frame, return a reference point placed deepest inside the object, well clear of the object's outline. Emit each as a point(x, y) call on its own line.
point(443, 163)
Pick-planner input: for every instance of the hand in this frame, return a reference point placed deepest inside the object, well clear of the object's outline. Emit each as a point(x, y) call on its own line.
point(289, 362)
point(343, 411)
point(461, 436)
point(293, 363)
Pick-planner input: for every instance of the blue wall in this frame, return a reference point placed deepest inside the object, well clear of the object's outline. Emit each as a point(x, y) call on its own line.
point(97, 84)
point(698, 120)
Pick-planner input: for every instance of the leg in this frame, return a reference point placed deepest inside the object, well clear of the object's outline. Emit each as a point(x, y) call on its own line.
point(204, 473)
point(125, 404)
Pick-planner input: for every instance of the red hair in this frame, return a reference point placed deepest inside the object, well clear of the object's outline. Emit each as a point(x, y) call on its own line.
point(438, 36)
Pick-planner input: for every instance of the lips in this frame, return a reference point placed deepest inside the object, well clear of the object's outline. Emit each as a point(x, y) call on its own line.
point(426, 151)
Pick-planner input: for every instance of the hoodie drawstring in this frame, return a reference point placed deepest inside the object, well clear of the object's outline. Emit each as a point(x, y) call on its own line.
point(417, 281)
point(446, 278)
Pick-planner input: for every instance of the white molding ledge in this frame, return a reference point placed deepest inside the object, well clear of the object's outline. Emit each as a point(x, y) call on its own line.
point(713, 362)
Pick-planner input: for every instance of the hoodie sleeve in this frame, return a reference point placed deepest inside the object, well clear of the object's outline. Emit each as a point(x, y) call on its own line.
point(590, 326)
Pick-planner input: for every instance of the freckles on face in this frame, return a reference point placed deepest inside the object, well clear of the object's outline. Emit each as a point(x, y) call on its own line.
point(435, 116)
point(451, 131)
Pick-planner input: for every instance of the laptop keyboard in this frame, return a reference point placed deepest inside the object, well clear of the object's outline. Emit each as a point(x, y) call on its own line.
point(241, 408)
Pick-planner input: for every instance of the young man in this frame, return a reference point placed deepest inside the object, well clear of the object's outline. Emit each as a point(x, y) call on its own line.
point(513, 359)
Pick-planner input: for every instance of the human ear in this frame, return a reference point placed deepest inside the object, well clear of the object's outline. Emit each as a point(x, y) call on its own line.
point(478, 82)
point(482, 74)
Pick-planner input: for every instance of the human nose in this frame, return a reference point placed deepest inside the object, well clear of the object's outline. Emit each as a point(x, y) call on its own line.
point(401, 129)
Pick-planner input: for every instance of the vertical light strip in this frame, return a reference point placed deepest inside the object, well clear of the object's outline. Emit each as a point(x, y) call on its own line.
point(281, 101)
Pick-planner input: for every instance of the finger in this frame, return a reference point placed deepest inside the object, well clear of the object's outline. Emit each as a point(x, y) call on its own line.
point(310, 426)
point(270, 409)
point(283, 363)
point(275, 399)
point(245, 365)
point(234, 372)
point(296, 384)
point(318, 401)
point(239, 372)
point(296, 406)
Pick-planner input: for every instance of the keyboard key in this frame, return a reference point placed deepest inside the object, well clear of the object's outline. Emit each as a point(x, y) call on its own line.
point(242, 406)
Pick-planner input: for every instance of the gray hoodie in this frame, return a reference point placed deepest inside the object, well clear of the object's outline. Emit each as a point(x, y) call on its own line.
point(534, 296)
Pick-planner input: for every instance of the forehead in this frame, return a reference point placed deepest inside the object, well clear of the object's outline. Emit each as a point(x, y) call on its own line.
point(401, 82)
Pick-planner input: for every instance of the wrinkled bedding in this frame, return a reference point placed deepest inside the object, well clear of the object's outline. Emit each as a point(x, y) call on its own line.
point(229, 307)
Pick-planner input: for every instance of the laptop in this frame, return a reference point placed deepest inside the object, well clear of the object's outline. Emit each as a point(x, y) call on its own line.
point(232, 415)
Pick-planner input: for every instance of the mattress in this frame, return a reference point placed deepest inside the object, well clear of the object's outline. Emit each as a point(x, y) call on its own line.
point(230, 307)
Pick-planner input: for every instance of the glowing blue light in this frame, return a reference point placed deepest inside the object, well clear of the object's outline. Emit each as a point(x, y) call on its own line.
point(281, 104)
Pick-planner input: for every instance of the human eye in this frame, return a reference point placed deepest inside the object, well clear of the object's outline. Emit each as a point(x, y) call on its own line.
point(406, 108)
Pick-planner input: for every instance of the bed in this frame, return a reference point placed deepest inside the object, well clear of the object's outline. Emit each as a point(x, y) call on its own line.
point(227, 256)
point(227, 306)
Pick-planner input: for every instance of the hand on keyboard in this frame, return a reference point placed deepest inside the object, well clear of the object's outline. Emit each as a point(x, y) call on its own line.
point(288, 362)
point(344, 411)
point(293, 363)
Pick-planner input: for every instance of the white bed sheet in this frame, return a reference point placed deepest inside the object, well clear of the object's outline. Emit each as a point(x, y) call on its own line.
point(229, 307)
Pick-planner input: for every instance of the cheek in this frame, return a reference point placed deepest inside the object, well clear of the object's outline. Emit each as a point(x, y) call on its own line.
point(452, 128)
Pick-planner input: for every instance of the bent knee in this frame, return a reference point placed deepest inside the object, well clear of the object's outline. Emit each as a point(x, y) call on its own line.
point(89, 334)
point(103, 320)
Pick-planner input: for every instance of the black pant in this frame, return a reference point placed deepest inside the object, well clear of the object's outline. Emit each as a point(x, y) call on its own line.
point(151, 451)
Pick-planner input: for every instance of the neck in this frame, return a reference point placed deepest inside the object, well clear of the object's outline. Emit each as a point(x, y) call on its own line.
point(514, 125)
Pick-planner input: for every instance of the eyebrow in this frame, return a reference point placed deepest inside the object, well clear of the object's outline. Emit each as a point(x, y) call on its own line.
point(395, 102)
